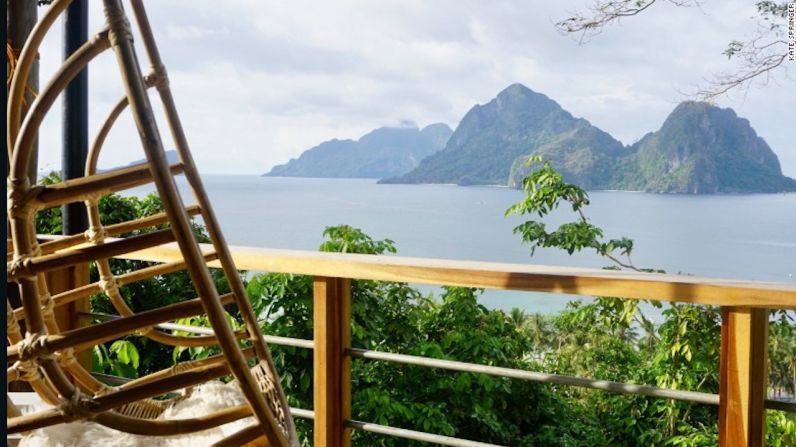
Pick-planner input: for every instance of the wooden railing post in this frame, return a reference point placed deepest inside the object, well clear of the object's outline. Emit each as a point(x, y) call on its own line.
point(743, 375)
point(64, 279)
point(332, 365)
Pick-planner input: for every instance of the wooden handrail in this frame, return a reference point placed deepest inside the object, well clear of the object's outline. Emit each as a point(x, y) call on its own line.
point(493, 275)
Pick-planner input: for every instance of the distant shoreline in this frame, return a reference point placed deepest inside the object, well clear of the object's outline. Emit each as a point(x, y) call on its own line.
point(496, 186)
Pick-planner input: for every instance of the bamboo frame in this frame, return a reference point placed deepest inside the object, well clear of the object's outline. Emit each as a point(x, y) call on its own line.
point(63, 243)
point(44, 355)
point(100, 333)
point(31, 266)
point(95, 186)
point(96, 287)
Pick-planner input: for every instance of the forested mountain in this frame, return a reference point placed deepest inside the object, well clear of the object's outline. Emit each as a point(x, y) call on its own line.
point(699, 149)
point(703, 149)
point(491, 137)
point(384, 152)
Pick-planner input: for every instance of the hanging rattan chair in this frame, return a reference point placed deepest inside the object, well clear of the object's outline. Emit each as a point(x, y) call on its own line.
point(44, 356)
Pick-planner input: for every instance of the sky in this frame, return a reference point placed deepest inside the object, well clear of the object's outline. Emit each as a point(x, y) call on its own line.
point(258, 82)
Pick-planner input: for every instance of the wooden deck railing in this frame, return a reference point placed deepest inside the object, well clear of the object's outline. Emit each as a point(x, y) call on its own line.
point(743, 371)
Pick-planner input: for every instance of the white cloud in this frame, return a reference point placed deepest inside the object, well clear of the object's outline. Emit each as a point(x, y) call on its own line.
point(257, 82)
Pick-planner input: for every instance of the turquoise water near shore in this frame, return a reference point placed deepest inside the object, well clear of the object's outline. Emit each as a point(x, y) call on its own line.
point(730, 236)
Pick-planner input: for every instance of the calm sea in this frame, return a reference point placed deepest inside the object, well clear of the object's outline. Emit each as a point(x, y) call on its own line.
point(731, 236)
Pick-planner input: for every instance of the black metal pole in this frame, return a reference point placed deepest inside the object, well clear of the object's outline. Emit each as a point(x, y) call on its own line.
point(75, 124)
point(22, 17)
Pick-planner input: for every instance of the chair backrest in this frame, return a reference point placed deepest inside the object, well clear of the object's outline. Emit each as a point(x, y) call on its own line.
point(42, 354)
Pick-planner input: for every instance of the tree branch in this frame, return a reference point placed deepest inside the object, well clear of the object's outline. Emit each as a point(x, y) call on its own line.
point(603, 12)
point(614, 259)
point(723, 83)
point(759, 57)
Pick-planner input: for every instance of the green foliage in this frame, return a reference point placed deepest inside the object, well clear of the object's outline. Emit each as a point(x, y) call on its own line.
point(545, 189)
point(346, 239)
point(121, 359)
point(49, 221)
point(394, 317)
point(782, 356)
point(769, 8)
point(381, 312)
point(140, 296)
point(606, 338)
point(733, 48)
point(600, 339)
point(780, 429)
point(200, 352)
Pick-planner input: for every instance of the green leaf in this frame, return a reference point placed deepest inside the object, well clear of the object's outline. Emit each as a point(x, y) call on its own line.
point(126, 352)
